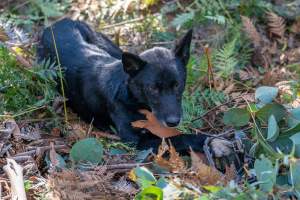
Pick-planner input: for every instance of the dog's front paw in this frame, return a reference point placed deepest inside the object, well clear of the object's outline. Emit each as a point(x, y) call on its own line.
point(221, 147)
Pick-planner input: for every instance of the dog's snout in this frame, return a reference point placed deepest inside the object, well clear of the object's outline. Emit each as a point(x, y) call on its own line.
point(172, 121)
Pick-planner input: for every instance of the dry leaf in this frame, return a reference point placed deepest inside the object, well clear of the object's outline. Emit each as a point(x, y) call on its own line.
point(250, 29)
point(154, 126)
point(84, 185)
point(3, 36)
point(230, 173)
point(276, 24)
point(52, 155)
point(174, 163)
point(203, 174)
point(12, 126)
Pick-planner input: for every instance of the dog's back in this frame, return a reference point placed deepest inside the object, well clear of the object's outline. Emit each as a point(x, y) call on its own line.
point(85, 58)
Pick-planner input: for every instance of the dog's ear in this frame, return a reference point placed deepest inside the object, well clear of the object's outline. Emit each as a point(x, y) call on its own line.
point(182, 47)
point(132, 63)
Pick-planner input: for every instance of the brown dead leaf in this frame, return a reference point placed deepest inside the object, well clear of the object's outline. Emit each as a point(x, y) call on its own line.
point(11, 125)
point(230, 173)
point(52, 155)
point(202, 173)
point(154, 126)
point(276, 24)
point(3, 36)
point(174, 163)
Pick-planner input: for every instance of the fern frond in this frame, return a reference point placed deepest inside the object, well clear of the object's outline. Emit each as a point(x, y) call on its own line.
point(219, 19)
point(276, 24)
point(251, 31)
point(183, 18)
point(225, 58)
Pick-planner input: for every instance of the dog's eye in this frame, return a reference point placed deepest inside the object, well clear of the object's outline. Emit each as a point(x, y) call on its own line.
point(176, 85)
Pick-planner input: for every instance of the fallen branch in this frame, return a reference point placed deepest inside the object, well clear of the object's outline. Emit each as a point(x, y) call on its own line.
point(15, 174)
point(126, 166)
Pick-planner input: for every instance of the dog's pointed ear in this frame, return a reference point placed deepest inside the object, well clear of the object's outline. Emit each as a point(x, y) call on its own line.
point(132, 63)
point(182, 47)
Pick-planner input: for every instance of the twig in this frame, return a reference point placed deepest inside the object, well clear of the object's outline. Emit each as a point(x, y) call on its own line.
point(126, 166)
point(209, 68)
point(210, 110)
point(33, 151)
point(15, 174)
point(105, 135)
point(123, 23)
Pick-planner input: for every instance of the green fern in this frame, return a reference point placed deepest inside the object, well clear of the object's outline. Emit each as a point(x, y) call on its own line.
point(226, 58)
point(219, 19)
point(182, 19)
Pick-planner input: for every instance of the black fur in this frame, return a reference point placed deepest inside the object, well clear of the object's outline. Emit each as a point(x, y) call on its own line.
point(110, 86)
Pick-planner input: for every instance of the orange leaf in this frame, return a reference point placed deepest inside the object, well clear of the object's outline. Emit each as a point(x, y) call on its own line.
point(154, 126)
point(174, 163)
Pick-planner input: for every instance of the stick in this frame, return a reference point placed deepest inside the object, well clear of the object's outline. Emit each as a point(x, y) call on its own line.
point(15, 174)
point(126, 165)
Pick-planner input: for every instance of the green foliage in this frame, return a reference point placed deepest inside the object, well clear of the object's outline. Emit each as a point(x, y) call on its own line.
point(24, 89)
point(265, 173)
point(265, 94)
point(150, 193)
point(89, 149)
point(196, 105)
point(273, 129)
point(236, 117)
point(226, 59)
point(36, 10)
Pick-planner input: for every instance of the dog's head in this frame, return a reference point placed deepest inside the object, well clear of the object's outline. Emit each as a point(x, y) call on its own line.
point(157, 78)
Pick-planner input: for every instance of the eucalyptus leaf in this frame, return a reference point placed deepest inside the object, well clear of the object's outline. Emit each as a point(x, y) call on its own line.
point(267, 110)
point(145, 177)
point(293, 117)
point(296, 141)
point(89, 149)
point(236, 117)
point(265, 94)
point(273, 129)
point(294, 174)
point(265, 173)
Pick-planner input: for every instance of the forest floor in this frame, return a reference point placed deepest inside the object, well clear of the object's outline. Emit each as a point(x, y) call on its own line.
point(242, 86)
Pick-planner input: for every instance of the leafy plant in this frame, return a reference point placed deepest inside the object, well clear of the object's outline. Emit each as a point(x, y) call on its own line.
point(22, 89)
point(36, 10)
point(197, 104)
point(226, 59)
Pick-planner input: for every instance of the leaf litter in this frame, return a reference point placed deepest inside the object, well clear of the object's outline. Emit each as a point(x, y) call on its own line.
point(27, 143)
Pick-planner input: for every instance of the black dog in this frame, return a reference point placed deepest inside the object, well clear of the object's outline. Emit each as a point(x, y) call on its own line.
point(109, 86)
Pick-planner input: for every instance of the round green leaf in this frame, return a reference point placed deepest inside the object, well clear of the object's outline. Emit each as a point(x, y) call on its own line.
point(236, 117)
point(275, 109)
point(150, 193)
point(293, 117)
point(144, 174)
point(266, 94)
point(273, 129)
point(265, 173)
point(89, 149)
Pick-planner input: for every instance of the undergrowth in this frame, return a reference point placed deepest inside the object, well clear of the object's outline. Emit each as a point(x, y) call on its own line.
point(24, 90)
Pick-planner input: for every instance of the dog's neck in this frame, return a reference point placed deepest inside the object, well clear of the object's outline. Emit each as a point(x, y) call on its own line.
point(127, 98)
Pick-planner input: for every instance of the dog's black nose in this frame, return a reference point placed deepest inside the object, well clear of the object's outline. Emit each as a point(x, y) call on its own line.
point(172, 121)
